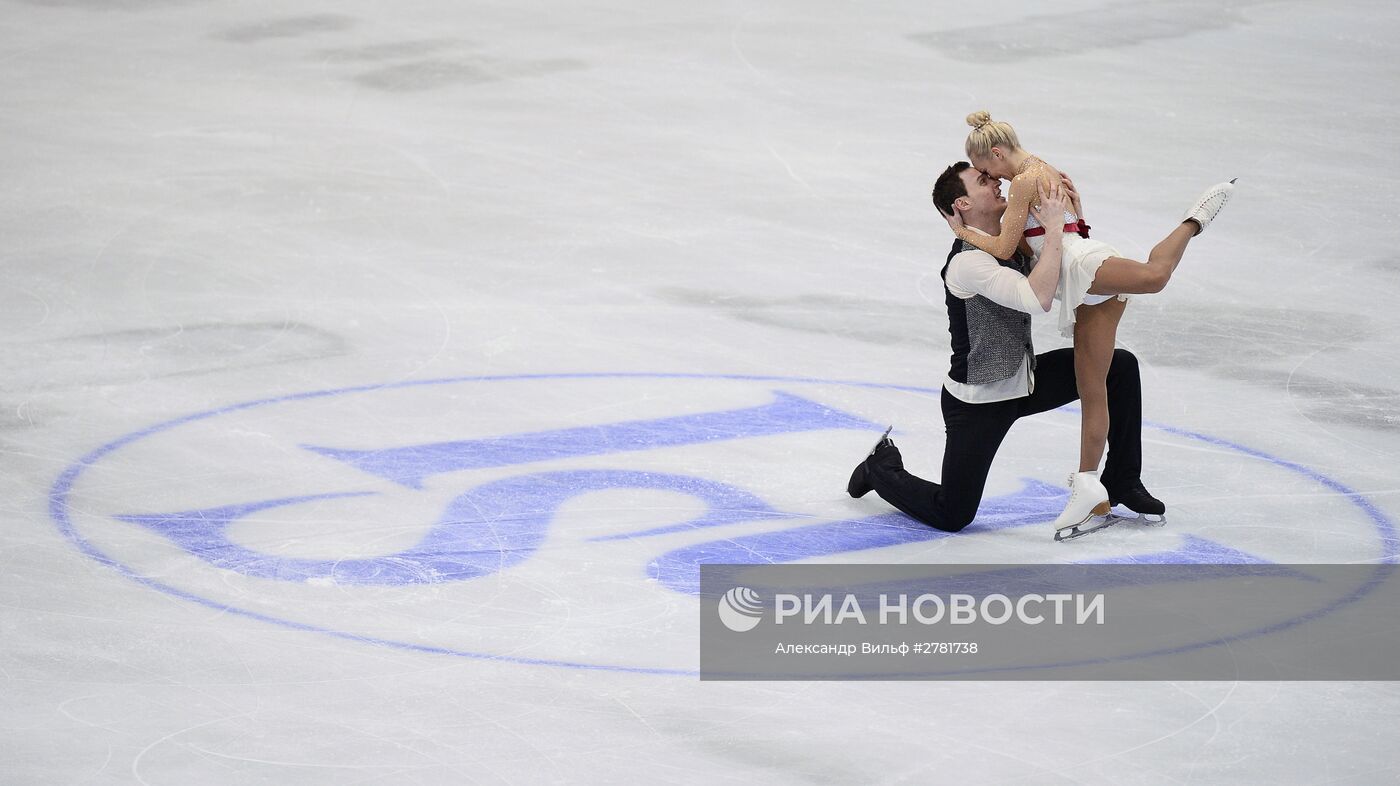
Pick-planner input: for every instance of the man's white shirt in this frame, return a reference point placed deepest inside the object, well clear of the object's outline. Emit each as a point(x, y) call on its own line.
point(975, 272)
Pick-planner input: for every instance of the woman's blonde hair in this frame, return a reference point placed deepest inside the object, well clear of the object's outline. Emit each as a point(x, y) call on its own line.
point(988, 133)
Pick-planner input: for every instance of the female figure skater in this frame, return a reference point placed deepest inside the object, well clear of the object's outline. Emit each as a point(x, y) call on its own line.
point(1094, 282)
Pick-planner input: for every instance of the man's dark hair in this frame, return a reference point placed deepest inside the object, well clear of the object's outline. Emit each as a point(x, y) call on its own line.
point(949, 187)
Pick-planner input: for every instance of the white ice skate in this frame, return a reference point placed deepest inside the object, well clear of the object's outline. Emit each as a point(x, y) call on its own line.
point(1209, 205)
point(1087, 510)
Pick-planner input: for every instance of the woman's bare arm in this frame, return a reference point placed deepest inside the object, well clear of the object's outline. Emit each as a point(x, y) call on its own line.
point(1046, 276)
point(1013, 222)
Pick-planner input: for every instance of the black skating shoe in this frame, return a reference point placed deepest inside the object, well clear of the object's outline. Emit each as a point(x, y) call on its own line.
point(1136, 498)
point(859, 484)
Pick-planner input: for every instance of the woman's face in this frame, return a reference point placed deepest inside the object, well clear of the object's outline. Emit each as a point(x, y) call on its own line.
point(992, 164)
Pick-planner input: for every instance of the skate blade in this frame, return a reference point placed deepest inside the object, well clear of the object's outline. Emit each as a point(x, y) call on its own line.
point(1145, 519)
point(881, 440)
point(1093, 524)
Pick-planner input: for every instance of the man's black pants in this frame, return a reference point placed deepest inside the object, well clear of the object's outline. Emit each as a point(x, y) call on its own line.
point(975, 432)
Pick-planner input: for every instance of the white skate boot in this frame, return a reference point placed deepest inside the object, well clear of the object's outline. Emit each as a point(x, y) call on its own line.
point(1087, 509)
point(1209, 205)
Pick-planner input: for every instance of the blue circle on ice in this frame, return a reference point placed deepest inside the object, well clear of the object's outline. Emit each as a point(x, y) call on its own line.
point(60, 509)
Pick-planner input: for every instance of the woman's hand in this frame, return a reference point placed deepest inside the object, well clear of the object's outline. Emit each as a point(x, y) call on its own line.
point(1051, 212)
point(955, 222)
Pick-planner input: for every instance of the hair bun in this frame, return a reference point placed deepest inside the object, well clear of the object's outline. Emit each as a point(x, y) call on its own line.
point(979, 119)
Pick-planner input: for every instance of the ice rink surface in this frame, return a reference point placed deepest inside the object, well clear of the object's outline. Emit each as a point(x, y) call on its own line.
point(375, 377)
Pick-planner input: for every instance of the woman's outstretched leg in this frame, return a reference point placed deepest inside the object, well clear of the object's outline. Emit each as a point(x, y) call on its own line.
point(1120, 276)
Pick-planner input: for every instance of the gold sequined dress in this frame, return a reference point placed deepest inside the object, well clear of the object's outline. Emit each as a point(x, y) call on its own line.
point(1080, 257)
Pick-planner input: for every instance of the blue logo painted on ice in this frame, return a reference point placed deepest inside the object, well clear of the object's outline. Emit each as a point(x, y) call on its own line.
point(392, 488)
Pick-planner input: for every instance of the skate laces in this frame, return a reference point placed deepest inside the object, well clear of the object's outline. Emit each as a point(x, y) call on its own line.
point(1214, 201)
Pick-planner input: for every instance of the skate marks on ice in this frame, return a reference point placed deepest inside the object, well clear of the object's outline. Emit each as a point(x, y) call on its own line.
point(395, 50)
point(868, 320)
point(435, 73)
point(1183, 335)
point(1268, 348)
point(1388, 264)
point(1208, 336)
point(427, 64)
point(288, 27)
point(153, 353)
point(1078, 32)
point(1258, 346)
point(106, 5)
point(1331, 401)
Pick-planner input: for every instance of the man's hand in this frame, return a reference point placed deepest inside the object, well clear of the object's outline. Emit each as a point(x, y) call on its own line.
point(1073, 194)
point(1051, 212)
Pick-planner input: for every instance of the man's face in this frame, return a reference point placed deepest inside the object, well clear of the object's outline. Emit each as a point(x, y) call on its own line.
point(983, 192)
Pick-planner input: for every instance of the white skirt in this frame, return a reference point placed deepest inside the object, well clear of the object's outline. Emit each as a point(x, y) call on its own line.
point(1080, 260)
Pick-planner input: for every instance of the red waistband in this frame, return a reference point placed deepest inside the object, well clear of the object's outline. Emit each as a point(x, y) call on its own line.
point(1079, 227)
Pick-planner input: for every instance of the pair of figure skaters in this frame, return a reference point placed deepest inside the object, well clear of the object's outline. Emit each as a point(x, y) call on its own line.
point(1013, 256)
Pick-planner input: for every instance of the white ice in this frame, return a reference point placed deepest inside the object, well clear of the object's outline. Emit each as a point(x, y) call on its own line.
point(205, 204)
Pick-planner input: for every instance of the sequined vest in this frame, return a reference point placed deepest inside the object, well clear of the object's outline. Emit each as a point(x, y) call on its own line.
point(989, 340)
